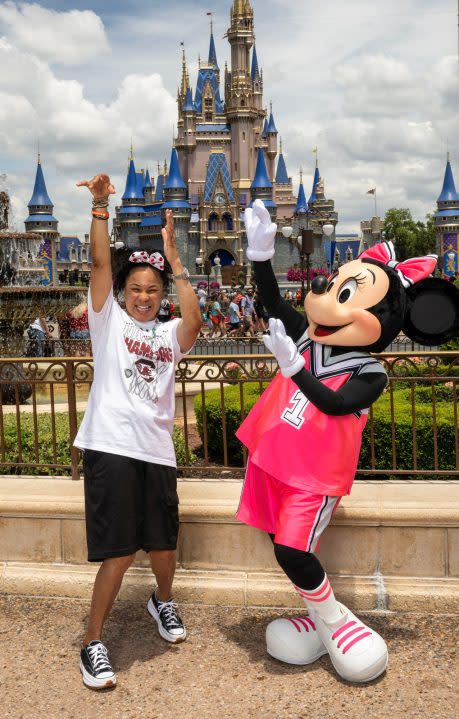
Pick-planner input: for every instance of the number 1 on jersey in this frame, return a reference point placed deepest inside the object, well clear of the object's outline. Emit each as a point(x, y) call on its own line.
point(294, 416)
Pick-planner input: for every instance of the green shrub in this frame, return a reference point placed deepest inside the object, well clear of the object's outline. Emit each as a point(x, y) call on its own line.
point(45, 443)
point(233, 416)
point(404, 434)
point(381, 424)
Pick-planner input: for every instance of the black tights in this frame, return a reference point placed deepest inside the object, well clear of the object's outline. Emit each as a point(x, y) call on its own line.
point(302, 568)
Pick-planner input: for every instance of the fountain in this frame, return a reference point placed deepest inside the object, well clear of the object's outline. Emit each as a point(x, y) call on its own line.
point(28, 288)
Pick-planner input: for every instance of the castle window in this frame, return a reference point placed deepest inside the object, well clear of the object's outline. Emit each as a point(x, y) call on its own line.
point(243, 136)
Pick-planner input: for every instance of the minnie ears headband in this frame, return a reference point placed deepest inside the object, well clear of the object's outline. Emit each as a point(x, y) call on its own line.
point(410, 271)
point(155, 260)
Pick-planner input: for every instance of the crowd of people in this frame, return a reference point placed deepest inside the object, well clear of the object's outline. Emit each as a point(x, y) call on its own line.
point(235, 313)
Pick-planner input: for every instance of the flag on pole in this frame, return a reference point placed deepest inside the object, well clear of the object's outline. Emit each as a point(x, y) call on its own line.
point(372, 191)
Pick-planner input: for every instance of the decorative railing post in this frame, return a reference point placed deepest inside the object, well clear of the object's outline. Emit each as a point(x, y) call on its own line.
point(73, 423)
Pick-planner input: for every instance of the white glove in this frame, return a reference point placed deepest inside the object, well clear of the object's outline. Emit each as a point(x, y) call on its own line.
point(260, 232)
point(283, 348)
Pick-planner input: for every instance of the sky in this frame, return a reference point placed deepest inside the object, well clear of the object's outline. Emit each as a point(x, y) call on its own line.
point(375, 86)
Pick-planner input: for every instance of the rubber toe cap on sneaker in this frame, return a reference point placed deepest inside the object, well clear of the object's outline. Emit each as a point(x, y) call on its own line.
point(290, 641)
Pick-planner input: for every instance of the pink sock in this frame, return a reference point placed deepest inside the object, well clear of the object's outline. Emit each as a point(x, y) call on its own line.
point(322, 602)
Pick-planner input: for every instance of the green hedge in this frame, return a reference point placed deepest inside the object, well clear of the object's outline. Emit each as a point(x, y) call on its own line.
point(45, 443)
point(382, 427)
point(234, 417)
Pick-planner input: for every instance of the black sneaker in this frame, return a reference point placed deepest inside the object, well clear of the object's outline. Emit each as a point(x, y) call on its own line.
point(95, 667)
point(170, 626)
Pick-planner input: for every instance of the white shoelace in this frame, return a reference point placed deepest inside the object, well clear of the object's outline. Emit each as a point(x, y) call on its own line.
point(99, 657)
point(169, 610)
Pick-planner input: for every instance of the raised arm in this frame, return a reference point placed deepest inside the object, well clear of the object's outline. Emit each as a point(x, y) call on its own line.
point(190, 325)
point(101, 273)
point(294, 322)
point(261, 233)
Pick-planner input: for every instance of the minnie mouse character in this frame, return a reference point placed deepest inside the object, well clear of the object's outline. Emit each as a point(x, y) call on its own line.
point(304, 433)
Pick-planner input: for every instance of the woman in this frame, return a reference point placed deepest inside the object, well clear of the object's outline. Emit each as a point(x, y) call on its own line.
point(129, 461)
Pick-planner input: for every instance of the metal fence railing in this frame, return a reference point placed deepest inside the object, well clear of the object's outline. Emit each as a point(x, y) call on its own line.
point(412, 429)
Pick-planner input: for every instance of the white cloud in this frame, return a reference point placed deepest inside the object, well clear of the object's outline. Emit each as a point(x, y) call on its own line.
point(70, 38)
point(376, 88)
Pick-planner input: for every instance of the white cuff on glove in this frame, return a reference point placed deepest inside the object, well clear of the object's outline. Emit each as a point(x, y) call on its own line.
point(297, 365)
point(259, 255)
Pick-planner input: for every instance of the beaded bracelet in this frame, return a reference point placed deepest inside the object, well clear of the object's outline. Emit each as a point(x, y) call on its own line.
point(100, 202)
point(100, 215)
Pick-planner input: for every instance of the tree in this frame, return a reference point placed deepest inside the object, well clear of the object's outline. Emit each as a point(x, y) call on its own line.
point(410, 238)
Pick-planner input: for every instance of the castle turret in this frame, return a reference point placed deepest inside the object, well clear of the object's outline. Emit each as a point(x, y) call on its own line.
point(130, 214)
point(257, 84)
point(41, 208)
point(148, 188)
point(262, 187)
point(315, 181)
point(447, 224)
point(42, 221)
point(241, 111)
point(212, 60)
point(175, 198)
point(271, 132)
point(301, 204)
point(159, 185)
point(283, 189)
point(188, 142)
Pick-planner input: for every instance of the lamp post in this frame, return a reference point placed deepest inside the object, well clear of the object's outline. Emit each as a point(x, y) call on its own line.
point(199, 263)
point(306, 247)
point(328, 230)
point(207, 270)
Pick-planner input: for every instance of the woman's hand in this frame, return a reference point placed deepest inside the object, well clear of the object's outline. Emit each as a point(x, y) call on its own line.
point(100, 186)
point(170, 243)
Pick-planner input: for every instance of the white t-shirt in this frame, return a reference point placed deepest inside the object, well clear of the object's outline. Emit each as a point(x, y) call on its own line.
point(131, 405)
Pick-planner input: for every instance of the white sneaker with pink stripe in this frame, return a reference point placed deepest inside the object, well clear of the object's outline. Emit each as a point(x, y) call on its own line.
point(294, 641)
point(357, 652)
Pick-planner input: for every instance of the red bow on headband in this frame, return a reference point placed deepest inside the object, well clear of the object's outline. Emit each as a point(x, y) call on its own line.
point(155, 260)
point(410, 271)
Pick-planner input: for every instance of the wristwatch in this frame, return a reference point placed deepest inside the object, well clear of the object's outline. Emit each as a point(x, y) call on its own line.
point(185, 275)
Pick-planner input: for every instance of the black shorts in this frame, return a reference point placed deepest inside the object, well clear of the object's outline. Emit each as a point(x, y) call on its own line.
point(235, 325)
point(130, 505)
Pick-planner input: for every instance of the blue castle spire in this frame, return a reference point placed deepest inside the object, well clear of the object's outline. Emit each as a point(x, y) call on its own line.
point(40, 217)
point(188, 105)
point(212, 52)
point(265, 129)
point(448, 192)
point(159, 187)
point(131, 191)
point(314, 184)
point(40, 197)
point(255, 72)
point(301, 205)
point(147, 184)
point(140, 182)
point(261, 187)
point(175, 179)
point(271, 124)
point(282, 177)
point(261, 178)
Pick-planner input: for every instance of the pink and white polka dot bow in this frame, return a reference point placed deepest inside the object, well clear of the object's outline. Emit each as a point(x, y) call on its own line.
point(155, 259)
point(410, 271)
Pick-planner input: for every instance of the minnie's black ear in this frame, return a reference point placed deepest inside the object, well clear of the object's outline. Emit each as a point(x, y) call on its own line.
point(432, 315)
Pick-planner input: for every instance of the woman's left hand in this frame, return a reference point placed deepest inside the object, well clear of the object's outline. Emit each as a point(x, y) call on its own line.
point(169, 239)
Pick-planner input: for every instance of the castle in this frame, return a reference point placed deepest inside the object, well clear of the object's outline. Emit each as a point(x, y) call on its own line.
point(226, 154)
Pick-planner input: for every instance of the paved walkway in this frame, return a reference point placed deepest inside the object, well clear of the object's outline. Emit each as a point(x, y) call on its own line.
point(221, 672)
